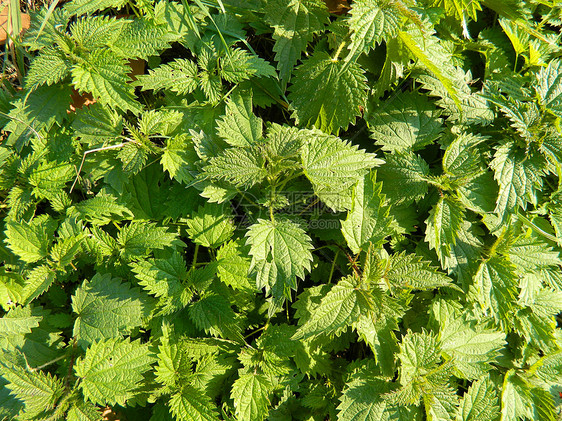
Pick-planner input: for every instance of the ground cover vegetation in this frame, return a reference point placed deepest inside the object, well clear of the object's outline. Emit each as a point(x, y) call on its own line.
point(290, 210)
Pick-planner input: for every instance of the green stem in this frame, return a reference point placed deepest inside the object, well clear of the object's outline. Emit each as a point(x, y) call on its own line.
point(333, 267)
point(194, 261)
point(338, 51)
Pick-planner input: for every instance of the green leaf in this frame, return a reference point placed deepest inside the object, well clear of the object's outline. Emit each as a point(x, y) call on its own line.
point(419, 353)
point(516, 399)
point(464, 256)
point(37, 390)
point(463, 157)
point(211, 225)
point(213, 314)
point(410, 271)
point(242, 167)
point(161, 277)
point(404, 177)
point(333, 166)
point(471, 347)
point(428, 50)
point(180, 76)
point(142, 38)
point(43, 107)
point(84, 411)
point(17, 322)
point(239, 126)
point(49, 68)
point(327, 94)
point(191, 404)
point(280, 251)
point(519, 177)
point(105, 75)
point(495, 287)
point(338, 310)
point(82, 7)
point(368, 221)
point(102, 209)
point(241, 65)
point(97, 124)
point(295, 22)
point(112, 370)
point(549, 86)
point(139, 238)
point(179, 158)
point(363, 399)
point(480, 402)
point(407, 123)
point(459, 9)
point(234, 265)
point(371, 22)
point(443, 224)
point(474, 109)
point(107, 308)
point(30, 241)
point(250, 393)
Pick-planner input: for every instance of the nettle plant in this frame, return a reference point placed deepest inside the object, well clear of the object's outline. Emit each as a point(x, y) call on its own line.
point(294, 212)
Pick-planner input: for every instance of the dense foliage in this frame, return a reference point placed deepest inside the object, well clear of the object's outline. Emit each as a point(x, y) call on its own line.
point(299, 210)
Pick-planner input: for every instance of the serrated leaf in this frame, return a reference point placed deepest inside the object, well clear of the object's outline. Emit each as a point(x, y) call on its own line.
point(18, 321)
point(83, 411)
point(213, 314)
point(107, 308)
point(549, 86)
point(30, 241)
point(97, 124)
point(250, 393)
point(105, 75)
point(38, 281)
point(139, 238)
point(363, 399)
point(429, 51)
point(41, 109)
point(37, 390)
point(519, 177)
point(102, 209)
point(240, 126)
point(191, 404)
point(234, 266)
point(410, 271)
point(419, 353)
point(211, 225)
point(112, 369)
point(338, 310)
point(495, 286)
point(472, 348)
point(368, 221)
point(407, 123)
point(333, 166)
point(161, 277)
point(179, 158)
point(327, 94)
point(49, 68)
point(371, 22)
point(474, 109)
point(280, 251)
point(294, 22)
point(479, 403)
point(178, 76)
point(443, 224)
point(242, 167)
point(404, 177)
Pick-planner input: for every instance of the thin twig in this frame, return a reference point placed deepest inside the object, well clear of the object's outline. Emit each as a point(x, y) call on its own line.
point(105, 148)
